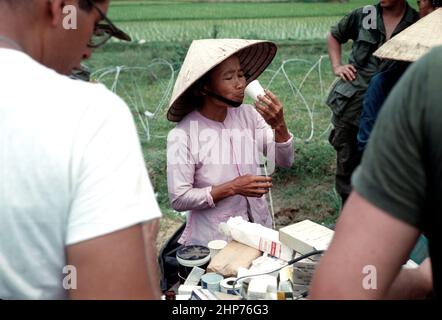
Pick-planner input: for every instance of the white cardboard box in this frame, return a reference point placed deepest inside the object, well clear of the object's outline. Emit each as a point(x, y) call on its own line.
point(202, 294)
point(186, 289)
point(306, 236)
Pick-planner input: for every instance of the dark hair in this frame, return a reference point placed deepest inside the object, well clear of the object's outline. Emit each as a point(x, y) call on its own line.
point(436, 3)
point(86, 5)
point(83, 4)
point(196, 91)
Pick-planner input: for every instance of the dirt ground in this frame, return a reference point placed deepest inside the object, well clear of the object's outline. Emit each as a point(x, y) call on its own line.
point(286, 216)
point(167, 229)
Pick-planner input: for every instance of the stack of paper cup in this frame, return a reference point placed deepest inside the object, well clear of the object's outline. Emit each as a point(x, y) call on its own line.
point(254, 89)
point(215, 246)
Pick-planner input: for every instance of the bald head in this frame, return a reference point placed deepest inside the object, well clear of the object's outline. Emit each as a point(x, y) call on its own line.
point(15, 13)
point(19, 4)
point(14, 4)
point(43, 29)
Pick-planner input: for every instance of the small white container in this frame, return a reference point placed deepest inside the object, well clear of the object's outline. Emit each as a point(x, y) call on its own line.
point(216, 246)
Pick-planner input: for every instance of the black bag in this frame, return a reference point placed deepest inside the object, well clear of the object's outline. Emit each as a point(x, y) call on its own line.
point(167, 260)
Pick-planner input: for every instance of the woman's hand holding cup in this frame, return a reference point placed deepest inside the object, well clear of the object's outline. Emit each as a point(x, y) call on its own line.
point(270, 108)
point(251, 186)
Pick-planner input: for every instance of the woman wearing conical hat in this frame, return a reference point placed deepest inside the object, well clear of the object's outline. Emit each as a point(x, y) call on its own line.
point(214, 154)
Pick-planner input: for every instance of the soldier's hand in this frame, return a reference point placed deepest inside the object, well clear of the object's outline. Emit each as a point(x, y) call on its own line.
point(346, 72)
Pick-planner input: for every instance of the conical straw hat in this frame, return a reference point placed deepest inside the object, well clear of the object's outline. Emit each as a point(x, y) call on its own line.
point(415, 41)
point(204, 55)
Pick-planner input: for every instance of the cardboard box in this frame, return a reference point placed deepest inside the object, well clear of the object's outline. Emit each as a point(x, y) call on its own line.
point(301, 279)
point(306, 236)
point(231, 258)
point(262, 287)
point(225, 296)
point(202, 294)
point(186, 289)
point(305, 265)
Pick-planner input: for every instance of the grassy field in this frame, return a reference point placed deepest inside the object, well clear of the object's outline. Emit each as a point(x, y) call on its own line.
point(302, 28)
point(184, 21)
point(145, 11)
point(300, 75)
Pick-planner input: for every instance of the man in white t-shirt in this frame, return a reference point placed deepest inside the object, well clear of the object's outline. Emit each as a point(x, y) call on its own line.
point(75, 196)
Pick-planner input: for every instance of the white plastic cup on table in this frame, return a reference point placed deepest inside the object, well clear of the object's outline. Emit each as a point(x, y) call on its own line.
point(254, 89)
point(216, 246)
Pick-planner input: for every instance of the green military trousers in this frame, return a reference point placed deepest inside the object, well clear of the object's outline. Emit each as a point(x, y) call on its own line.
point(346, 106)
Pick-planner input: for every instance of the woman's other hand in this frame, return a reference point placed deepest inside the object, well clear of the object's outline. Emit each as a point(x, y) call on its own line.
point(251, 186)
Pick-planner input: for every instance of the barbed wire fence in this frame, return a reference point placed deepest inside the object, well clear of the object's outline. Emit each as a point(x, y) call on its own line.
point(297, 90)
point(147, 91)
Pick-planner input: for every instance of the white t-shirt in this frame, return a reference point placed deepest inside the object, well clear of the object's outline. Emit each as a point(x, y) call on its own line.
point(71, 169)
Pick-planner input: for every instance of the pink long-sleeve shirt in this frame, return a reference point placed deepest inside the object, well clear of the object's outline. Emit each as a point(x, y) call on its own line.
point(202, 153)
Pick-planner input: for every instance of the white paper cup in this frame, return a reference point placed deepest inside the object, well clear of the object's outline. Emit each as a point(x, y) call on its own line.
point(254, 89)
point(215, 246)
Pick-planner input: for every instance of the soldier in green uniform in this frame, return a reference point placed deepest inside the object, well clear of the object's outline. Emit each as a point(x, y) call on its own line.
point(369, 28)
point(397, 195)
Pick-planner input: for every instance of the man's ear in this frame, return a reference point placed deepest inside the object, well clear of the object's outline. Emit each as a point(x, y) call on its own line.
point(55, 11)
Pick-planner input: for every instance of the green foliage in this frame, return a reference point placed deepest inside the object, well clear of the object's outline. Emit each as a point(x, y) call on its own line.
point(314, 159)
point(334, 199)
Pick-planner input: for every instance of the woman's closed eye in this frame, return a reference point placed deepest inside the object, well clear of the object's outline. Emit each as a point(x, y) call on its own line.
point(230, 77)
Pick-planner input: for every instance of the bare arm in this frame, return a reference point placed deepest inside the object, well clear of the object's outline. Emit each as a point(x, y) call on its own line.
point(412, 283)
point(112, 267)
point(365, 236)
point(247, 185)
point(150, 233)
point(334, 51)
point(346, 72)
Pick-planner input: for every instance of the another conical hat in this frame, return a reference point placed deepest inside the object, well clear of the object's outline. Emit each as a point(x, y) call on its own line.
point(415, 41)
point(204, 55)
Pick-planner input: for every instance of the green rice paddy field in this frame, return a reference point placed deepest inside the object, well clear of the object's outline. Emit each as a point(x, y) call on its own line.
point(184, 21)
